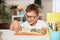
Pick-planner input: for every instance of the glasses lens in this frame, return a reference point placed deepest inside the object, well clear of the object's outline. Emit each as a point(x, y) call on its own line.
point(32, 17)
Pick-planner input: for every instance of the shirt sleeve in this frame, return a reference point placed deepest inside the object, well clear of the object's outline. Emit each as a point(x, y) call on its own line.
point(24, 24)
point(45, 25)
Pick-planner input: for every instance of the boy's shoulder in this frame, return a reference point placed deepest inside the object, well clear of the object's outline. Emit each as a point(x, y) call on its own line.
point(24, 23)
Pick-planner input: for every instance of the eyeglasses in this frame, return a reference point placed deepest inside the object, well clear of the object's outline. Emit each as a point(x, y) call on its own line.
point(31, 17)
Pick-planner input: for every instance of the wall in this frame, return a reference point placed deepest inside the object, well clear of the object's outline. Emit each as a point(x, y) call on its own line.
point(47, 7)
point(20, 3)
point(56, 6)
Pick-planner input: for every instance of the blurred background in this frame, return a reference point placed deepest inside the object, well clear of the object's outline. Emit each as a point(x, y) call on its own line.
point(14, 10)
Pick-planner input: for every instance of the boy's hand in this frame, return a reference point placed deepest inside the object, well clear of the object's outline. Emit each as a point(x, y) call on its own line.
point(15, 26)
point(43, 31)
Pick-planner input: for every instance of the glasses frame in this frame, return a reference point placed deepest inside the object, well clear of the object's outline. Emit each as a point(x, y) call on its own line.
point(31, 17)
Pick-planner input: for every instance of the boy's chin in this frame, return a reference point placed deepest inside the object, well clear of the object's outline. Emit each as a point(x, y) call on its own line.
point(31, 23)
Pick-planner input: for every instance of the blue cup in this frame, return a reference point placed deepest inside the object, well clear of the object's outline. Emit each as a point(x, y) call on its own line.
point(54, 35)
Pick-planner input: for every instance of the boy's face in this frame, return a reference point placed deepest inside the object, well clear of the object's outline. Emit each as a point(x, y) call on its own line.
point(31, 17)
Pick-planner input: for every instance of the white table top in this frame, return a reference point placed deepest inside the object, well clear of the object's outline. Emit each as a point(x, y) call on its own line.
point(9, 35)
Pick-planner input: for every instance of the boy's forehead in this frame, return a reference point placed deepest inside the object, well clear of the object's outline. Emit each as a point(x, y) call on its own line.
point(31, 13)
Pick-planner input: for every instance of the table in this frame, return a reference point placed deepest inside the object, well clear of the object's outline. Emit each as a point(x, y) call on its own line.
point(10, 35)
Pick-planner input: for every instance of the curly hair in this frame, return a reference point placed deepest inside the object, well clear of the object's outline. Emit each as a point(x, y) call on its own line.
point(33, 7)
